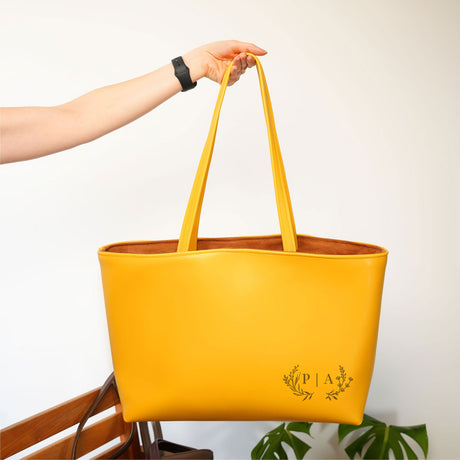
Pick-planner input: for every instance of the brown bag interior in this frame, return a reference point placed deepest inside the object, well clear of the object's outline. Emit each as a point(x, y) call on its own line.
point(306, 244)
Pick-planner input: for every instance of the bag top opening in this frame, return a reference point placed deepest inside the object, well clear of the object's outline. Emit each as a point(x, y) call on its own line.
point(306, 244)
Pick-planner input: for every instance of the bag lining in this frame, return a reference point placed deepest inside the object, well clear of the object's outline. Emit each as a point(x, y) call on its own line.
point(306, 244)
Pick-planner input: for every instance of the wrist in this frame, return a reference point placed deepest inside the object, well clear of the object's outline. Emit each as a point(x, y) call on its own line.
point(195, 61)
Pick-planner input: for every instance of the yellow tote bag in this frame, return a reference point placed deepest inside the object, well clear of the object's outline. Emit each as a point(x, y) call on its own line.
point(272, 327)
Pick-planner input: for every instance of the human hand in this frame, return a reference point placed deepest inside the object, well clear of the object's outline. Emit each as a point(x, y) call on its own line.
point(212, 60)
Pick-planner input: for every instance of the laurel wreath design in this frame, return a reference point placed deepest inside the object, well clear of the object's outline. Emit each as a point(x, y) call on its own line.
point(342, 385)
point(292, 381)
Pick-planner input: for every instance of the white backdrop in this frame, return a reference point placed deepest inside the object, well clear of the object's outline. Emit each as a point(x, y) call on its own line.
point(366, 98)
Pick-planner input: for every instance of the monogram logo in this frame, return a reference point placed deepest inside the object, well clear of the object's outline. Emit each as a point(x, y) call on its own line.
point(301, 383)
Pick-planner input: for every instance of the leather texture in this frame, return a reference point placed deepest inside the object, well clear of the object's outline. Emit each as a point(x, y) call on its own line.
point(272, 327)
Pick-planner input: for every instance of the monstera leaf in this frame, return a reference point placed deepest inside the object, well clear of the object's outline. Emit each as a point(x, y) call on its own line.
point(377, 441)
point(271, 445)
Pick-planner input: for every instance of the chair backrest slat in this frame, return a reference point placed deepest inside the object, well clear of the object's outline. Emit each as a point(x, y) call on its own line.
point(109, 452)
point(92, 437)
point(31, 431)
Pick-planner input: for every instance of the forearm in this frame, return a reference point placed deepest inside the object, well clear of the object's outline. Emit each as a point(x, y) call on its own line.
point(111, 107)
point(31, 132)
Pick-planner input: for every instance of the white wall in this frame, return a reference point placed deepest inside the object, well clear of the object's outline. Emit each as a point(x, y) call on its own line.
point(366, 98)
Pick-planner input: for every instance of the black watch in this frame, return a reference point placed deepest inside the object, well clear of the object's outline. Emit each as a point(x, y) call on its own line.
point(182, 72)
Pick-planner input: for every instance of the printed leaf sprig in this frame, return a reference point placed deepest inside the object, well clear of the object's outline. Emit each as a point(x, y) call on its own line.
point(379, 438)
point(271, 445)
point(292, 381)
point(342, 384)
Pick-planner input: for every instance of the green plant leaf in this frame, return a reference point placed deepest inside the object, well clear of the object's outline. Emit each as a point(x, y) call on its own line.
point(301, 427)
point(378, 439)
point(271, 447)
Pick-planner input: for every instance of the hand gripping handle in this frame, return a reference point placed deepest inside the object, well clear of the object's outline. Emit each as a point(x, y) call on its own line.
point(189, 233)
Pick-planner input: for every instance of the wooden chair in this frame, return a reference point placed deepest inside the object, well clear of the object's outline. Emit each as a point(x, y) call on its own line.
point(37, 428)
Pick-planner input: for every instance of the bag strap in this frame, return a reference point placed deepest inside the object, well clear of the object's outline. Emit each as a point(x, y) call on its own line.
point(102, 392)
point(189, 232)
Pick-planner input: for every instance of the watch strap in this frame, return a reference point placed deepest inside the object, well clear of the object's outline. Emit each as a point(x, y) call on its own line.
point(182, 72)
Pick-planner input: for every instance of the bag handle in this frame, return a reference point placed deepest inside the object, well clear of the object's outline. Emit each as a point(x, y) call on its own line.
point(100, 396)
point(189, 232)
